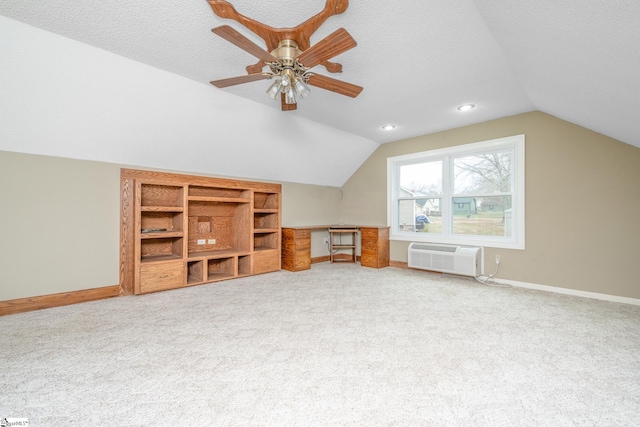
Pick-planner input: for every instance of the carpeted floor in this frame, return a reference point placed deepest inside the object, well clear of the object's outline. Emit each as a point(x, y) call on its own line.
point(336, 345)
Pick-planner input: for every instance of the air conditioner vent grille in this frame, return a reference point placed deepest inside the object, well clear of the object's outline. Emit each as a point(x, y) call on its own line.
point(439, 248)
point(445, 258)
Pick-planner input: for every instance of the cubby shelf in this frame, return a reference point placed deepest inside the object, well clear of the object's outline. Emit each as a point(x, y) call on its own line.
point(161, 209)
point(161, 234)
point(218, 199)
point(215, 254)
point(158, 258)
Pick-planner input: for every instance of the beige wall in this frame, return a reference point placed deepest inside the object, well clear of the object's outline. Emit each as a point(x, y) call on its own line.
point(61, 223)
point(582, 203)
point(311, 205)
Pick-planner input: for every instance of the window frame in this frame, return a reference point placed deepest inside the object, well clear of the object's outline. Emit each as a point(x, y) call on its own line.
point(446, 155)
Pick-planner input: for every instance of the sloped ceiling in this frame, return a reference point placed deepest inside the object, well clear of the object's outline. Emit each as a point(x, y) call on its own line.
point(417, 61)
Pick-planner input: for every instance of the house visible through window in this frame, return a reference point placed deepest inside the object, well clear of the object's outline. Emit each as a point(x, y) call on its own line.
point(469, 194)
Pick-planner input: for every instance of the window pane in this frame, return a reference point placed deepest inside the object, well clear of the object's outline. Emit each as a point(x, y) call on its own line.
point(422, 179)
point(483, 173)
point(482, 216)
point(420, 215)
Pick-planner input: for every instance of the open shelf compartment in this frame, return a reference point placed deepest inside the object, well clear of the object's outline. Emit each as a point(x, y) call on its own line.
point(161, 249)
point(228, 195)
point(265, 241)
point(155, 195)
point(221, 268)
point(265, 201)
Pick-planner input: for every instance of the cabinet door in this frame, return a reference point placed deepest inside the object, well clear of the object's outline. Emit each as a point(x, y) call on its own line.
point(369, 258)
point(265, 261)
point(159, 276)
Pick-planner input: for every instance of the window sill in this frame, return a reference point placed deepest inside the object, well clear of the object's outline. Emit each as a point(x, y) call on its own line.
point(464, 241)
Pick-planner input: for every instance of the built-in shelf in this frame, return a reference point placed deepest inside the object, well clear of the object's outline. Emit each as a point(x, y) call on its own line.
point(183, 230)
point(218, 199)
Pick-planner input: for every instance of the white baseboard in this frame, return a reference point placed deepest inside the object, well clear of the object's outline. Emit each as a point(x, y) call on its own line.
point(565, 291)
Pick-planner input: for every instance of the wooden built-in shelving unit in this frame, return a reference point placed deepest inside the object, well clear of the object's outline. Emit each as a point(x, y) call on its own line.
point(183, 230)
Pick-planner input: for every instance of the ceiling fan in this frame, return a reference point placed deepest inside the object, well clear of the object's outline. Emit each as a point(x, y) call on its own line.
point(289, 55)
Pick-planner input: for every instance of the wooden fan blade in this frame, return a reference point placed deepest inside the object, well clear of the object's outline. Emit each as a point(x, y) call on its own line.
point(285, 106)
point(337, 86)
point(232, 81)
point(231, 35)
point(334, 44)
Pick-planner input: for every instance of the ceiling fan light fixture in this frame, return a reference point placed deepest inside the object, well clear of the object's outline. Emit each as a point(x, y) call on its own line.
point(301, 88)
point(286, 81)
point(290, 96)
point(274, 89)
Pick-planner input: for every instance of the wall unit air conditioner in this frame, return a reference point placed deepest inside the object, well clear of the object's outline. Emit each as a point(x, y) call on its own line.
point(464, 260)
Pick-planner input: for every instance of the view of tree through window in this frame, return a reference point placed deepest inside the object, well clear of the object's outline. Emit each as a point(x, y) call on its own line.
point(460, 192)
point(480, 181)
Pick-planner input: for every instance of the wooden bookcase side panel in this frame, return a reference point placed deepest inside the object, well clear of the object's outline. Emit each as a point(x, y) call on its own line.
point(127, 237)
point(242, 227)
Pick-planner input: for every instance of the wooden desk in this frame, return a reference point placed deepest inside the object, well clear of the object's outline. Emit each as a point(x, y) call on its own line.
point(296, 246)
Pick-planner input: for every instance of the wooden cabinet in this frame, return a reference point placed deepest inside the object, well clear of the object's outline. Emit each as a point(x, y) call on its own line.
point(183, 230)
point(374, 247)
point(296, 249)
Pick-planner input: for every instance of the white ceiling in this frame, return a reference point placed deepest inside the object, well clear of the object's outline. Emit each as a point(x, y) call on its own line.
point(417, 60)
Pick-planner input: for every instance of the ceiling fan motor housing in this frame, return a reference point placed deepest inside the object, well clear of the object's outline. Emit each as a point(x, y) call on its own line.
point(287, 51)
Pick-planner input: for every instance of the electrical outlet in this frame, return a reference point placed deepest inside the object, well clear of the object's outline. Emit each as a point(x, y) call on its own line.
point(212, 241)
point(497, 259)
point(326, 240)
point(201, 241)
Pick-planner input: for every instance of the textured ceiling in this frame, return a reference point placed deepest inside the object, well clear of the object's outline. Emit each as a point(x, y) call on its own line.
point(417, 60)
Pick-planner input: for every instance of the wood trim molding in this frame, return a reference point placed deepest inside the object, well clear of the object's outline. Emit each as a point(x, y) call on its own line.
point(319, 259)
point(22, 305)
point(126, 241)
point(398, 264)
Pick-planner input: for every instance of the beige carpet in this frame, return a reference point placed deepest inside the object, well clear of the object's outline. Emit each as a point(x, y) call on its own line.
point(336, 345)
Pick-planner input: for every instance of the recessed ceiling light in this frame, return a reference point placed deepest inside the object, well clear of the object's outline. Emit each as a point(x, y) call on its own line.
point(388, 127)
point(466, 107)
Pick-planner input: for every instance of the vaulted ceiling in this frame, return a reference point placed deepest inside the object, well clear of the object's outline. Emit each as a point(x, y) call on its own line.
point(417, 60)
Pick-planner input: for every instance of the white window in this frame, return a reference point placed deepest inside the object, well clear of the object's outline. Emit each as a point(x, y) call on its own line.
point(469, 194)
